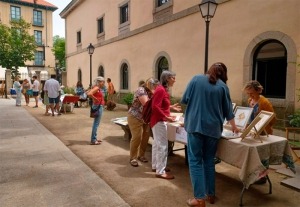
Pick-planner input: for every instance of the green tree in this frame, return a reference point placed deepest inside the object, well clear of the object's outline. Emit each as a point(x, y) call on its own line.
point(59, 50)
point(17, 45)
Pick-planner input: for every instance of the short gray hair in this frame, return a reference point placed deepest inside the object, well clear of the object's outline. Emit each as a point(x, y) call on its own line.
point(97, 80)
point(164, 76)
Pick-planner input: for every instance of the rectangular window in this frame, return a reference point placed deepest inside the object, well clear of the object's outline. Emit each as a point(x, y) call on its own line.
point(38, 58)
point(38, 37)
point(100, 26)
point(15, 13)
point(79, 37)
point(124, 13)
point(37, 18)
point(161, 2)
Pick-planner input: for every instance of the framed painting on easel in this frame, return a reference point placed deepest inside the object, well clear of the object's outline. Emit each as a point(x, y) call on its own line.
point(258, 125)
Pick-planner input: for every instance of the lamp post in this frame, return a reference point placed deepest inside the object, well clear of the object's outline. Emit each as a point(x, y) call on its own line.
point(90, 49)
point(56, 69)
point(208, 9)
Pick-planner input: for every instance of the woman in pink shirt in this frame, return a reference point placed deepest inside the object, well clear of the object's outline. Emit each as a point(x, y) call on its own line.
point(160, 116)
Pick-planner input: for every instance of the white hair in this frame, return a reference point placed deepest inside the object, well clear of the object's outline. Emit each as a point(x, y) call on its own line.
point(98, 79)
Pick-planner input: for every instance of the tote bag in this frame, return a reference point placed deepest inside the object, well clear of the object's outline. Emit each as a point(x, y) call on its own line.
point(95, 112)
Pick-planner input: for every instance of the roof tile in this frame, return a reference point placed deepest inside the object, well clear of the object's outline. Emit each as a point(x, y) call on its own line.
point(40, 2)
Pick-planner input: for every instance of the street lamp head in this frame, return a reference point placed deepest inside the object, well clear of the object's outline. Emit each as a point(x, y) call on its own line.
point(208, 9)
point(91, 49)
point(56, 60)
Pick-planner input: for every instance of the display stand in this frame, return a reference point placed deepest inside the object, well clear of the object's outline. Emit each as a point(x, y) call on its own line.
point(258, 125)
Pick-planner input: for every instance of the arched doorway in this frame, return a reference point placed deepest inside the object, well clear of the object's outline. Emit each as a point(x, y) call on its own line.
point(125, 76)
point(101, 71)
point(79, 75)
point(270, 68)
point(163, 64)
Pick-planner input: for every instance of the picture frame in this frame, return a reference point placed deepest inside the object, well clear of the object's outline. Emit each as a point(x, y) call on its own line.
point(233, 107)
point(241, 116)
point(266, 117)
point(258, 125)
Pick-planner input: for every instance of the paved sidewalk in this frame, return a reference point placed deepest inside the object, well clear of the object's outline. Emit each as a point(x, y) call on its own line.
point(37, 169)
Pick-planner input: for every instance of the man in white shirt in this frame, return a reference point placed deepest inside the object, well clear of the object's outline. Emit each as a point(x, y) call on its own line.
point(35, 89)
point(52, 89)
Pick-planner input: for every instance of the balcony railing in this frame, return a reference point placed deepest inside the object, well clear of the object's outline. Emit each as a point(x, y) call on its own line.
point(37, 22)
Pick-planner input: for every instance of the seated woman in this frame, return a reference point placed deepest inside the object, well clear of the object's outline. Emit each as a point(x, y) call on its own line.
point(79, 91)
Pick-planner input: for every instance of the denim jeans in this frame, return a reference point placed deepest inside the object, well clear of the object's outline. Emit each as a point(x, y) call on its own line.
point(96, 123)
point(201, 153)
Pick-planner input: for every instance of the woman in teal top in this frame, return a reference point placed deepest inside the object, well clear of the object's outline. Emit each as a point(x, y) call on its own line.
point(208, 103)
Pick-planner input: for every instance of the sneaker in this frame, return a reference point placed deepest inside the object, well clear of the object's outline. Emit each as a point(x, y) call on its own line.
point(35, 107)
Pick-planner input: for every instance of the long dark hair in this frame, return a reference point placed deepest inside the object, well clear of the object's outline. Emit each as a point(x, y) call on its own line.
point(79, 84)
point(217, 71)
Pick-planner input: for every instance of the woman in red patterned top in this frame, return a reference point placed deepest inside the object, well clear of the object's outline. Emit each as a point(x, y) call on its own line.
point(160, 116)
point(98, 102)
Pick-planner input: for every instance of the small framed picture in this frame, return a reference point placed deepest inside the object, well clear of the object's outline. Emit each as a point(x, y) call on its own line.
point(233, 107)
point(242, 116)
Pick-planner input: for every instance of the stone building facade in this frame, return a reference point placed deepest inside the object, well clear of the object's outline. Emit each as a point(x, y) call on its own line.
point(135, 40)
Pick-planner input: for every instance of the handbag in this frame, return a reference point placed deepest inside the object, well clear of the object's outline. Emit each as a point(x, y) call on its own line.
point(95, 112)
point(29, 92)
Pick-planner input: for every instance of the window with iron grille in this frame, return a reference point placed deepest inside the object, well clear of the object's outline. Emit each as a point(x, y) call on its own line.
point(15, 13)
point(100, 26)
point(37, 18)
point(124, 13)
point(38, 37)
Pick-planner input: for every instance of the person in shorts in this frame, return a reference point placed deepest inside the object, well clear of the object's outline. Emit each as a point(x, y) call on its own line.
point(52, 90)
point(35, 89)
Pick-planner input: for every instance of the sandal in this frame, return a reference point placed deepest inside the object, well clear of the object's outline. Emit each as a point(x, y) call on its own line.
point(47, 114)
point(134, 163)
point(142, 159)
point(99, 140)
point(95, 143)
point(196, 202)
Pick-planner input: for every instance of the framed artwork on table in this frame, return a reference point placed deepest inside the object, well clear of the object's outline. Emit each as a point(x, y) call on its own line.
point(266, 117)
point(241, 116)
point(258, 125)
point(233, 107)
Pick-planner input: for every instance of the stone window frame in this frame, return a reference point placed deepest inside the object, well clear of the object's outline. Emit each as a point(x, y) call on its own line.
point(160, 12)
point(124, 27)
point(79, 44)
point(102, 34)
point(101, 65)
point(121, 76)
point(287, 41)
